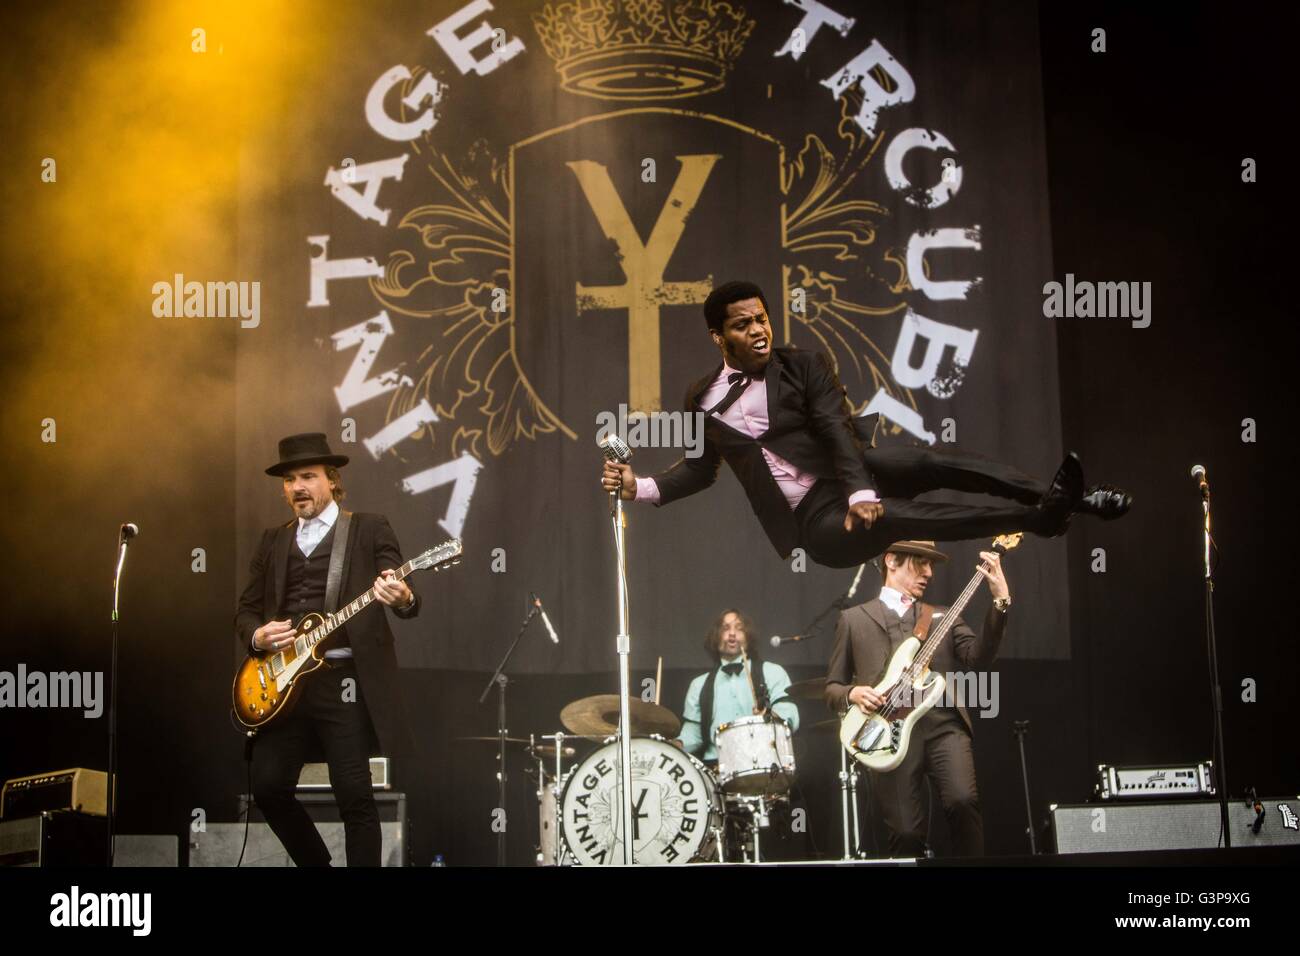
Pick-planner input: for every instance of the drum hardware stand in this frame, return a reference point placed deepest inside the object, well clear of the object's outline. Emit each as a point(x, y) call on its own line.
point(558, 739)
point(616, 450)
point(500, 681)
point(849, 807)
point(1021, 727)
point(758, 821)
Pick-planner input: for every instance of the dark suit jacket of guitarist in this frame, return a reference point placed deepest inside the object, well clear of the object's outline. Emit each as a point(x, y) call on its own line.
point(372, 547)
point(811, 425)
point(866, 637)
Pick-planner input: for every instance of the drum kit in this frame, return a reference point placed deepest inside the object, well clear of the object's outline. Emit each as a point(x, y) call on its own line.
point(683, 811)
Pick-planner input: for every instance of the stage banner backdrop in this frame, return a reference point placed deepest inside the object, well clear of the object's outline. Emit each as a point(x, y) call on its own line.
point(493, 230)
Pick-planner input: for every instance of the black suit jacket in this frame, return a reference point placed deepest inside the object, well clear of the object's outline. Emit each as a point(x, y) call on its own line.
point(372, 547)
point(810, 425)
point(863, 649)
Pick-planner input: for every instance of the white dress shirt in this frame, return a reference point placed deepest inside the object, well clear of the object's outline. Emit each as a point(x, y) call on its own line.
point(896, 600)
point(311, 531)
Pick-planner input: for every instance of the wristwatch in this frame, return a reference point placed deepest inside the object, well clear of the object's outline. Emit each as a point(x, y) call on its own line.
point(1002, 604)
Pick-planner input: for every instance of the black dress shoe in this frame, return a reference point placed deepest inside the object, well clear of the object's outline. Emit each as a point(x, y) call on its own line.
point(1105, 501)
point(1062, 499)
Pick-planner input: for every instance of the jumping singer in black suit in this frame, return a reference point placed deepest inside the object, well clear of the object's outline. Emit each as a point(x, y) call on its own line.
point(350, 708)
point(781, 420)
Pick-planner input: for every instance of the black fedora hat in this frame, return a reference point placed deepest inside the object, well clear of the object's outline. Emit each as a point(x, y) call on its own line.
point(310, 448)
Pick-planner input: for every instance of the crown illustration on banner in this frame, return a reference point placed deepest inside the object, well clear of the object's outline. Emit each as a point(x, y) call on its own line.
point(643, 49)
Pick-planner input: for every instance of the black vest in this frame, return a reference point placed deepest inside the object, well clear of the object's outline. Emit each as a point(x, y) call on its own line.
point(304, 584)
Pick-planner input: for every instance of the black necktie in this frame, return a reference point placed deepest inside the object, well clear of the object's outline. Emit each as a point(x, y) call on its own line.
point(733, 668)
point(739, 382)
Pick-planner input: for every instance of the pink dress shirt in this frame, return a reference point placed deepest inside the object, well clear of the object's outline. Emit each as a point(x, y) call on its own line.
point(748, 415)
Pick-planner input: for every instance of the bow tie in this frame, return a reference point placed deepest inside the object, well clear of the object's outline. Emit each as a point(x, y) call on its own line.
point(907, 599)
point(734, 668)
point(739, 381)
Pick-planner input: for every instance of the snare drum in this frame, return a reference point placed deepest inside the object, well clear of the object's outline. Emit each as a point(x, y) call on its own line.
point(674, 799)
point(755, 756)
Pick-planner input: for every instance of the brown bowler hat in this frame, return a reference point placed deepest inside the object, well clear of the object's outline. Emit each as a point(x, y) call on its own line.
point(310, 448)
point(922, 549)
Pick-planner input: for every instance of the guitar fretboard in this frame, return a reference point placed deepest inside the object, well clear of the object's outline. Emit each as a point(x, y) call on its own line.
point(340, 617)
point(931, 645)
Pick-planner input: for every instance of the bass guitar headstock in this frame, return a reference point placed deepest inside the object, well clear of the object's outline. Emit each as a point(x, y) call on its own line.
point(1005, 542)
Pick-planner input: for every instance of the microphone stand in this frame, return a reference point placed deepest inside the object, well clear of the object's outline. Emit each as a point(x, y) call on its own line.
point(1021, 727)
point(1216, 692)
point(615, 450)
point(500, 680)
point(624, 642)
point(111, 808)
point(838, 604)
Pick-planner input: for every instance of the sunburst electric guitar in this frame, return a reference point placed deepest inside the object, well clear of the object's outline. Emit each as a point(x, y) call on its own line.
point(879, 740)
point(264, 686)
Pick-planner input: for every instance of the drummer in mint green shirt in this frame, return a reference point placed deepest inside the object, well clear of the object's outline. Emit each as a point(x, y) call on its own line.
point(729, 697)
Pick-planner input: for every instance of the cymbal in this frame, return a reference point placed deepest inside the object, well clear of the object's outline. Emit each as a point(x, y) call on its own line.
point(548, 751)
point(494, 738)
point(811, 689)
point(541, 750)
point(597, 716)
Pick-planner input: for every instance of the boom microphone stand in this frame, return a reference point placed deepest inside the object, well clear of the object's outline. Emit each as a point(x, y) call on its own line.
point(125, 534)
point(1211, 641)
point(499, 679)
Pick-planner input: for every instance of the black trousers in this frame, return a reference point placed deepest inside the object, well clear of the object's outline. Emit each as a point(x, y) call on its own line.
point(330, 720)
point(941, 751)
point(901, 474)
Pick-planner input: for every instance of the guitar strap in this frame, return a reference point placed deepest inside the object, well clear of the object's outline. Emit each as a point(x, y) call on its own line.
point(334, 578)
point(925, 614)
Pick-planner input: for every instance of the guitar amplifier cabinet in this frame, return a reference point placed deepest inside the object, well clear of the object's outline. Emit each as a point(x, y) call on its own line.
point(1181, 825)
point(85, 791)
point(219, 844)
point(316, 776)
point(54, 838)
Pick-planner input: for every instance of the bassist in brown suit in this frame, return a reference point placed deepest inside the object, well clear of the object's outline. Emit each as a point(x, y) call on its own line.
point(865, 640)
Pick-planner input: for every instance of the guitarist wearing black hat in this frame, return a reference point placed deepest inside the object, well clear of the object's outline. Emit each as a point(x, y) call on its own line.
point(350, 707)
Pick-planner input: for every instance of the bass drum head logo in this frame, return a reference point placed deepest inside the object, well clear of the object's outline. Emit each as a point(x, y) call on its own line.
point(674, 807)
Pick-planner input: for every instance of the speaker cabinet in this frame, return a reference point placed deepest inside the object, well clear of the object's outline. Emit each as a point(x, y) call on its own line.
point(54, 838)
point(220, 843)
point(1171, 825)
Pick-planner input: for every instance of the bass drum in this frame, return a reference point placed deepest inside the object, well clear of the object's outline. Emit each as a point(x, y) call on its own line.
point(674, 800)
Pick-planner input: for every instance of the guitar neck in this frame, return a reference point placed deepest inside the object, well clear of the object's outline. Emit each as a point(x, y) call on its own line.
point(340, 617)
point(927, 651)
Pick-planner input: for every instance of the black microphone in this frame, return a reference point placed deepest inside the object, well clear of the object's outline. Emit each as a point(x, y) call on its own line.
point(777, 641)
point(537, 602)
point(1198, 472)
point(129, 530)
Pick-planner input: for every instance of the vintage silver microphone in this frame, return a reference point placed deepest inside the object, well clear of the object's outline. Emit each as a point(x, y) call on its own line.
point(615, 450)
